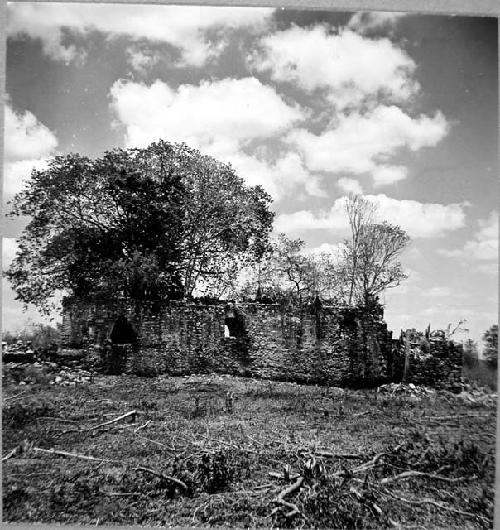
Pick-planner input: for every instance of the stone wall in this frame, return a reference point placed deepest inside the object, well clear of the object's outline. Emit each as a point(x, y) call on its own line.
point(433, 360)
point(314, 344)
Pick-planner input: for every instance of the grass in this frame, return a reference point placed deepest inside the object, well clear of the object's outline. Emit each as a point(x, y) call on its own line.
point(350, 451)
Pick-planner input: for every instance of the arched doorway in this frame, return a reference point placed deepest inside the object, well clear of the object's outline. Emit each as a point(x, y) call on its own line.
point(123, 332)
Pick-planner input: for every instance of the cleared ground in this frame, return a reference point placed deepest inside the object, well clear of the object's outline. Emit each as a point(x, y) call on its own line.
point(285, 456)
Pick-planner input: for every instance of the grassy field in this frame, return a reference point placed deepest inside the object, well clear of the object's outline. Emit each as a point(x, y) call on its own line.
point(285, 456)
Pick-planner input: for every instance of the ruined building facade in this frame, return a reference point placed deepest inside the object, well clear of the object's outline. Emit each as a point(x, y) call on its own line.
point(312, 344)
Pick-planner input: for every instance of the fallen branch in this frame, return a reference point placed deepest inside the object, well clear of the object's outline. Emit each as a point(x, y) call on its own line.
point(15, 452)
point(374, 461)
point(408, 474)
point(293, 507)
point(105, 424)
point(74, 455)
point(159, 444)
point(86, 457)
point(439, 505)
point(274, 474)
point(326, 454)
point(295, 486)
point(161, 475)
point(280, 499)
point(370, 464)
point(118, 494)
point(14, 396)
point(132, 413)
point(458, 416)
point(264, 486)
point(142, 426)
point(52, 418)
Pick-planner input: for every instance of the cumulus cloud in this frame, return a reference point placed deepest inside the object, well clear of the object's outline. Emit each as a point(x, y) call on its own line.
point(9, 249)
point(437, 292)
point(277, 178)
point(384, 175)
point(350, 185)
point(26, 137)
point(141, 60)
point(226, 111)
point(219, 118)
point(365, 84)
point(359, 142)
point(350, 67)
point(420, 220)
point(335, 250)
point(334, 219)
point(363, 143)
point(483, 247)
point(28, 143)
point(16, 174)
point(184, 27)
point(367, 21)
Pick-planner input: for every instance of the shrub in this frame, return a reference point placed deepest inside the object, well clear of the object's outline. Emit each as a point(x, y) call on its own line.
point(26, 410)
point(217, 471)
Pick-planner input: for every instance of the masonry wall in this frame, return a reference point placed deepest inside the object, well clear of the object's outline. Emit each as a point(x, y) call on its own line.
point(438, 364)
point(313, 344)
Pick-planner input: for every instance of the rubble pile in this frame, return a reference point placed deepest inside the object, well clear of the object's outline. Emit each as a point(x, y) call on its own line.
point(18, 352)
point(406, 390)
point(47, 372)
point(476, 394)
point(72, 377)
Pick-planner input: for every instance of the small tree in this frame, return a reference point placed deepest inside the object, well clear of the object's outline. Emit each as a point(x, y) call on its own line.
point(451, 332)
point(378, 266)
point(285, 271)
point(281, 272)
point(372, 254)
point(360, 213)
point(471, 354)
point(490, 351)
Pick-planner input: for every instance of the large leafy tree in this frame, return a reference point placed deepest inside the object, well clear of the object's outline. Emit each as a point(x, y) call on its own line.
point(151, 223)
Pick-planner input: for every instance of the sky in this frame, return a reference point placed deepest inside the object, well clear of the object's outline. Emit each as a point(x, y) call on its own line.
point(312, 105)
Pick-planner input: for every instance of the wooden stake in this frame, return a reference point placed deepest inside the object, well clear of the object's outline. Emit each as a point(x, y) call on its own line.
point(407, 356)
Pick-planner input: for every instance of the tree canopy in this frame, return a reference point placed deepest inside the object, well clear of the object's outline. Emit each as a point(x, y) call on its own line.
point(354, 274)
point(155, 223)
point(282, 272)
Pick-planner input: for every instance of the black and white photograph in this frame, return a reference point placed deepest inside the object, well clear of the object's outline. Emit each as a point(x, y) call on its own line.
point(250, 266)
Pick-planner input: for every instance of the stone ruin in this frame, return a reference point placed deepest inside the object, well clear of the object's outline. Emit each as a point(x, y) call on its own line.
point(316, 344)
point(433, 359)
